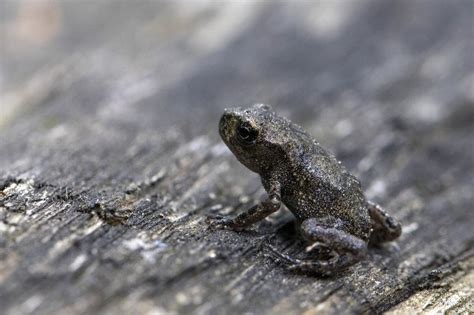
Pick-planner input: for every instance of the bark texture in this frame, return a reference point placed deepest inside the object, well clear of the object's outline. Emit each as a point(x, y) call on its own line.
point(110, 159)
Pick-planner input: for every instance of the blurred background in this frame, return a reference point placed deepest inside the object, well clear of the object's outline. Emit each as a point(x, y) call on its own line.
point(99, 99)
point(359, 75)
point(198, 56)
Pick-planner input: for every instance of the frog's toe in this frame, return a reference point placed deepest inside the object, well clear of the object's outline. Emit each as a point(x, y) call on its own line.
point(279, 257)
point(219, 223)
point(321, 250)
point(313, 267)
point(216, 223)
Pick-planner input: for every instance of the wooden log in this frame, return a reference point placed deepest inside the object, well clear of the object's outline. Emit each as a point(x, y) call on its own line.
point(110, 160)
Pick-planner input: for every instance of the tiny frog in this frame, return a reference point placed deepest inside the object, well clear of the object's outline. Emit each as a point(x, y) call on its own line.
point(331, 210)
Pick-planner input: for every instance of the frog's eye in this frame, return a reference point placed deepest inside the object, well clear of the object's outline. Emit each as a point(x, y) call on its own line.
point(246, 133)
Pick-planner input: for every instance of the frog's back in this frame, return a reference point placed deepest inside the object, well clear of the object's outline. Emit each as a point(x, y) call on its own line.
point(321, 186)
point(308, 159)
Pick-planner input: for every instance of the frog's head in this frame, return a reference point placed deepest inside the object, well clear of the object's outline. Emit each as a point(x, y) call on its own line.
point(251, 134)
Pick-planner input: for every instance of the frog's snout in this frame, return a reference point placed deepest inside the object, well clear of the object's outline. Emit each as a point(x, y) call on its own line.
point(228, 122)
point(224, 124)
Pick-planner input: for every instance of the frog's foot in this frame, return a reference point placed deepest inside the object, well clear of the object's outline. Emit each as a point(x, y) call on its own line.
point(348, 249)
point(216, 223)
point(279, 257)
point(320, 250)
point(307, 266)
point(385, 227)
point(321, 267)
point(221, 223)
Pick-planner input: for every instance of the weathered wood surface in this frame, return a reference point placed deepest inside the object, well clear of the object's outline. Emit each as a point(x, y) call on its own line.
point(110, 160)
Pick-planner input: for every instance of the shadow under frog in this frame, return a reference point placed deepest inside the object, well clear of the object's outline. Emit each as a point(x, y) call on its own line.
point(331, 210)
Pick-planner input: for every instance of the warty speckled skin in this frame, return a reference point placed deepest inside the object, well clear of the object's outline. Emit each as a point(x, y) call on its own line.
point(327, 201)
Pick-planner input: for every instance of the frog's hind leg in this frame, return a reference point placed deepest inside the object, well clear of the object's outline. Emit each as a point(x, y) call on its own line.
point(385, 227)
point(348, 249)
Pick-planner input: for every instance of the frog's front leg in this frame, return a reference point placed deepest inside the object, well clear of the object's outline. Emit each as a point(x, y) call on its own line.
point(258, 212)
point(348, 249)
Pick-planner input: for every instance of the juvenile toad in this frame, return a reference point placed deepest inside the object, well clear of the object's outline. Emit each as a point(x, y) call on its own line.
point(325, 198)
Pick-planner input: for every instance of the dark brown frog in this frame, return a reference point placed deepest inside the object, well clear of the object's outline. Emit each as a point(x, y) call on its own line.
point(327, 201)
